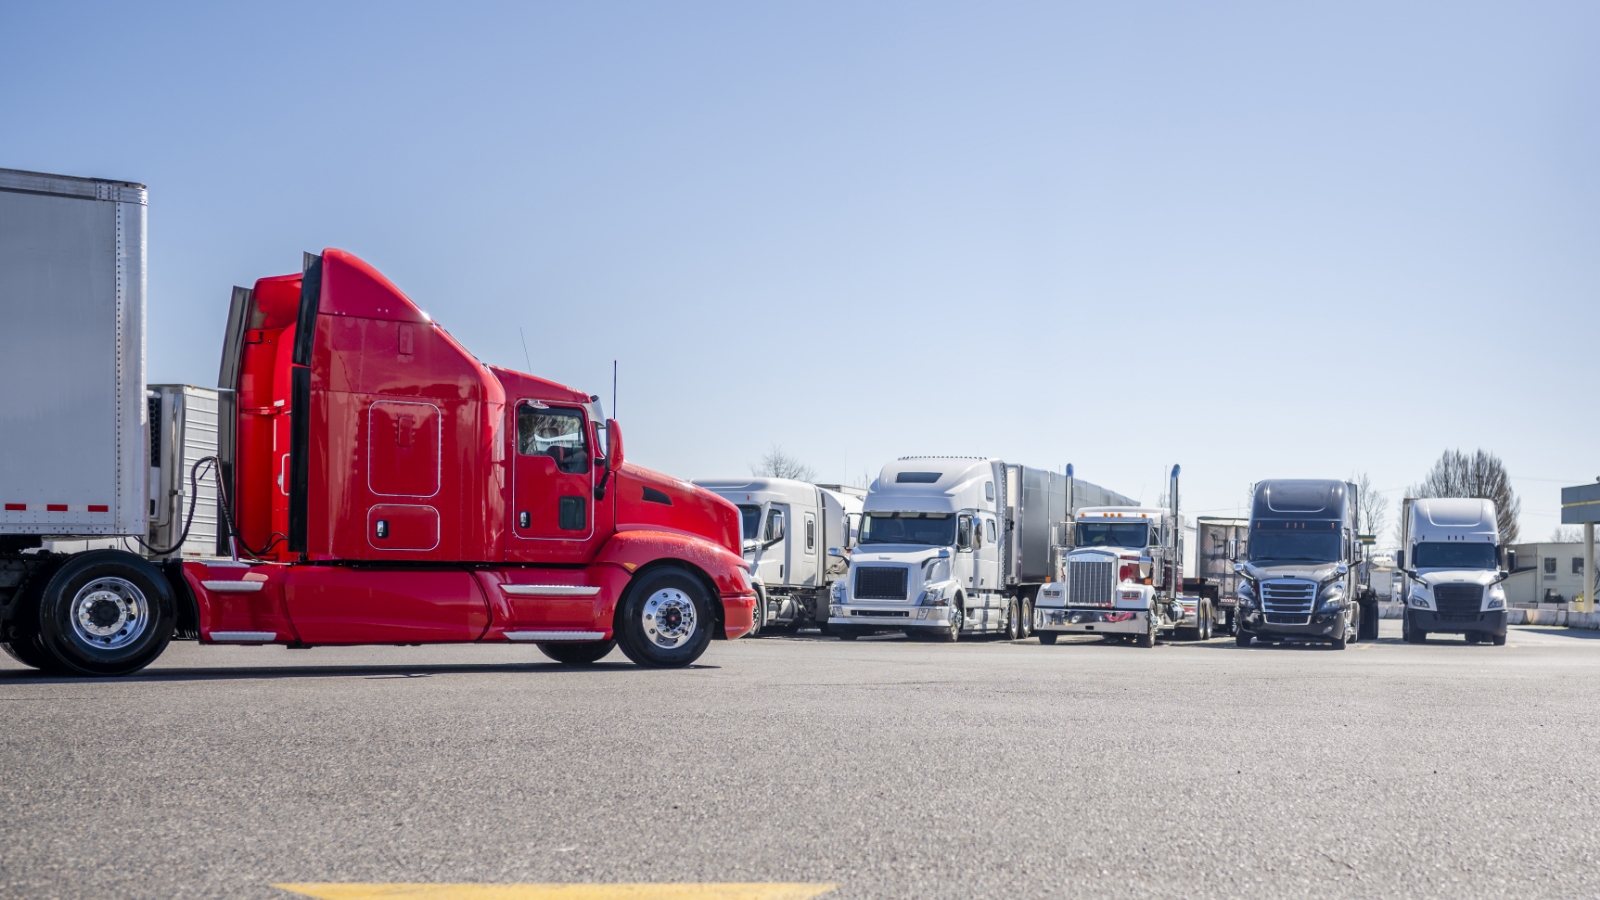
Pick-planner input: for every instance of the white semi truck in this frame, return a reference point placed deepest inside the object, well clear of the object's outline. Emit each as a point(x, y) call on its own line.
point(787, 527)
point(954, 544)
point(1451, 564)
point(1127, 572)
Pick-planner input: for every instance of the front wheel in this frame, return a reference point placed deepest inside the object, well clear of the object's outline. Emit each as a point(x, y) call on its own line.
point(758, 615)
point(105, 612)
point(1148, 639)
point(665, 619)
point(1499, 640)
point(1241, 638)
point(1026, 628)
point(579, 653)
point(953, 633)
point(1047, 637)
point(1473, 637)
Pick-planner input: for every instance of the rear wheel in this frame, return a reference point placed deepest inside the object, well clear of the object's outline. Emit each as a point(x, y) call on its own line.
point(577, 653)
point(1047, 637)
point(1013, 620)
point(1369, 621)
point(104, 612)
point(665, 620)
point(26, 650)
point(1026, 626)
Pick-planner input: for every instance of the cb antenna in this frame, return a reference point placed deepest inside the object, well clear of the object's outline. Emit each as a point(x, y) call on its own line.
point(613, 389)
point(525, 357)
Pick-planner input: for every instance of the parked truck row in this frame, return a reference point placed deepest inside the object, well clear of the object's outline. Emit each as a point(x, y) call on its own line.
point(358, 477)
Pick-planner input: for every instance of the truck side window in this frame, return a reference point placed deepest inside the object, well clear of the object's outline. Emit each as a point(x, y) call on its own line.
point(774, 525)
point(556, 433)
point(964, 533)
point(988, 529)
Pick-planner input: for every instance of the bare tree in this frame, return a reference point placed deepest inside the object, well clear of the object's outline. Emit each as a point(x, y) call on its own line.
point(778, 464)
point(1373, 506)
point(1481, 475)
point(1567, 534)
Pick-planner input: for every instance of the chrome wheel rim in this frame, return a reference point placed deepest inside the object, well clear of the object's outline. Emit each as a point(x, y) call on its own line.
point(109, 613)
point(669, 618)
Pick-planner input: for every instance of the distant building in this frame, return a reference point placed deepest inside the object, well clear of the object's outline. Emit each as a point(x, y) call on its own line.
point(1546, 573)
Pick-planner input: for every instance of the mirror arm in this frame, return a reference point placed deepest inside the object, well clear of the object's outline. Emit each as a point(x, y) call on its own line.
point(600, 489)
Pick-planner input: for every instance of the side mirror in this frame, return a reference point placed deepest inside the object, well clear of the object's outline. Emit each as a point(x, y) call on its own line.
point(613, 445)
point(1341, 568)
point(1233, 551)
point(1238, 568)
point(836, 552)
point(1360, 552)
point(1511, 560)
point(1400, 560)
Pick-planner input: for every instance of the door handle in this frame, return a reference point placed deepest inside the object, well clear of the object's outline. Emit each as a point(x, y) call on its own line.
point(524, 520)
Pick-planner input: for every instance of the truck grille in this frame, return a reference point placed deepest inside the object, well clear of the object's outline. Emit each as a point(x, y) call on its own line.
point(880, 583)
point(1458, 601)
point(1091, 582)
point(1288, 601)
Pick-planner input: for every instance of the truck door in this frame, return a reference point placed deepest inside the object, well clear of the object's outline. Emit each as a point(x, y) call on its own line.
point(774, 552)
point(987, 553)
point(552, 478)
point(964, 566)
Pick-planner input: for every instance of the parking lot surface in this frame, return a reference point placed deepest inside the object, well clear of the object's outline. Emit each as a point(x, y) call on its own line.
point(886, 767)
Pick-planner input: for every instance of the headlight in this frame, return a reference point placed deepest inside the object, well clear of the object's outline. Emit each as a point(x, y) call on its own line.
point(935, 570)
point(837, 591)
point(835, 612)
point(1331, 596)
point(934, 596)
point(1497, 597)
point(1419, 597)
point(1247, 592)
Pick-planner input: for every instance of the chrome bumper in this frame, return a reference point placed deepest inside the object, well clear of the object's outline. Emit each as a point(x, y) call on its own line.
point(1096, 621)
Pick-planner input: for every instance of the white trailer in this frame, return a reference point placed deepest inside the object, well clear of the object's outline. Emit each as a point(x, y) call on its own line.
point(74, 437)
point(954, 544)
point(788, 526)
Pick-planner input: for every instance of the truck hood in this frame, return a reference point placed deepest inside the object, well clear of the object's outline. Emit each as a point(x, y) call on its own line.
point(1480, 577)
point(915, 554)
point(1318, 572)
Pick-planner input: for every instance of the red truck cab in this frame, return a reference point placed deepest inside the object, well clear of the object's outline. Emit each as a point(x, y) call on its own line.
point(389, 488)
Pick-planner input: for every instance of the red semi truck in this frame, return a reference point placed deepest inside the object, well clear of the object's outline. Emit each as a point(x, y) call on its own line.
point(383, 486)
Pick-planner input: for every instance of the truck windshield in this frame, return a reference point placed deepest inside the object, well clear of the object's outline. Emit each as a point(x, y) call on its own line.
point(750, 521)
point(910, 528)
point(1294, 546)
point(1440, 555)
point(1111, 534)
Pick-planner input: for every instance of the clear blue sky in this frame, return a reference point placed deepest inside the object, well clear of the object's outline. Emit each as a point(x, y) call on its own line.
point(1261, 240)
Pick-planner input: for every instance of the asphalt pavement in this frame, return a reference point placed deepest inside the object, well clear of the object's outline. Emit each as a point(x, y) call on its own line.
point(886, 767)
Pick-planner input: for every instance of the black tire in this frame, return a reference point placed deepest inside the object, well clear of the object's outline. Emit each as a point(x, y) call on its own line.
point(1473, 637)
point(1499, 640)
point(1013, 630)
point(1241, 638)
point(1415, 635)
point(845, 632)
point(1148, 639)
point(1026, 628)
point(1369, 622)
point(1232, 626)
point(953, 633)
point(1047, 637)
point(667, 595)
point(579, 653)
point(104, 613)
point(26, 650)
point(758, 616)
point(1340, 642)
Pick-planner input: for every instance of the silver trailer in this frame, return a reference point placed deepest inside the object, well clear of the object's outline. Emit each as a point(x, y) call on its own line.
point(74, 438)
point(72, 418)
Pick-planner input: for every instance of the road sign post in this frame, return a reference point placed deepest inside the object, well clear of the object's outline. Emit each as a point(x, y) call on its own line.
point(1581, 506)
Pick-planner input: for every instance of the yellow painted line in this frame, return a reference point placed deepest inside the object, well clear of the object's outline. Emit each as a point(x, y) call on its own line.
point(559, 891)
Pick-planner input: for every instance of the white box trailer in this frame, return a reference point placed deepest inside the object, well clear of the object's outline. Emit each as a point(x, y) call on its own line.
point(72, 423)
